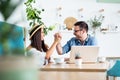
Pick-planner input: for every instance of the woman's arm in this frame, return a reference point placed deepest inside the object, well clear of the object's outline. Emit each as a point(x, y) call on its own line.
point(59, 48)
point(53, 46)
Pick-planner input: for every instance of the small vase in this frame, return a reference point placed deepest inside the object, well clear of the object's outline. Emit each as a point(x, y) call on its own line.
point(94, 31)
point(78, 62)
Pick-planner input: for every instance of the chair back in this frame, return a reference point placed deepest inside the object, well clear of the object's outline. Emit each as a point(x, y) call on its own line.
point(11, 39)
point(115, 70)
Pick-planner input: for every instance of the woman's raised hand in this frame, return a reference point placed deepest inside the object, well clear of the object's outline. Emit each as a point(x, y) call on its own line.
point(57, 37)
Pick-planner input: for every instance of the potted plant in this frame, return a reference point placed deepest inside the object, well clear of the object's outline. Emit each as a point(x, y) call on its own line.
point(78, 59)
point(96, 22)
point(34, 16)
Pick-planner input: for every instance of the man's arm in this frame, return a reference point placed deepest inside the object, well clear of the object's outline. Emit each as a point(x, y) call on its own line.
point(94, 41)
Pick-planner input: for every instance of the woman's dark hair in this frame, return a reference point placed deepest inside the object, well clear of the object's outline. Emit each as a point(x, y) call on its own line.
point(37, 43)
point(82, 25)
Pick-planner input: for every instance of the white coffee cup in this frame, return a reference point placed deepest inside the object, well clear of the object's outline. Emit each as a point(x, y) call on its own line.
point(102, 59)
point(59, 60)
point(52, 60)
point(78, 62)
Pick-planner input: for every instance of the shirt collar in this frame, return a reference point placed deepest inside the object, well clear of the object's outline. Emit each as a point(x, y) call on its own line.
point(85, 39)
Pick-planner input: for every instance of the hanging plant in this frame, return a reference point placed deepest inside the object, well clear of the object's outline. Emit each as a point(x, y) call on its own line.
point(33, 15)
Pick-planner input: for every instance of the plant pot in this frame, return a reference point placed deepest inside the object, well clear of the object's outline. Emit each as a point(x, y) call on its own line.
point(18, 68)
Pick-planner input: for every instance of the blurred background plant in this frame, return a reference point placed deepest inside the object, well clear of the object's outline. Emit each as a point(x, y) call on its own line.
point(7, 7)
point(34, 16)
point(11, 35)
point(14, 65)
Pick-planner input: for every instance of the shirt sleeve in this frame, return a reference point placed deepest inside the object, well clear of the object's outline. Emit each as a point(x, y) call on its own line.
point(94, 41)
point(67, 47)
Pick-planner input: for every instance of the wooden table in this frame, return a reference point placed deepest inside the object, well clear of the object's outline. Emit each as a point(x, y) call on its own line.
point(87, 71)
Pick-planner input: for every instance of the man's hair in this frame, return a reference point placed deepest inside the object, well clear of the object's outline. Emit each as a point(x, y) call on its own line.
point(82, 25)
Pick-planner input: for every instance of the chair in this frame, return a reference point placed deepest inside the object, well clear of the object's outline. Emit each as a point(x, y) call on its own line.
point(11, 39)
point(114, 71)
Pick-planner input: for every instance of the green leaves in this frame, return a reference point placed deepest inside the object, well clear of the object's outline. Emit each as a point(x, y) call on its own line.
point(50, 28)
point(96, 21)
point(33, 14)
point(7, 8)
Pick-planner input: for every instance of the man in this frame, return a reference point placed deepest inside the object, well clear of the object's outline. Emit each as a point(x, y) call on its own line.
point(82, 38)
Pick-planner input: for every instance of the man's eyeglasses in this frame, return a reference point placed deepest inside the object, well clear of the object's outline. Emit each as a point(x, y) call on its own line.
point(76, 30)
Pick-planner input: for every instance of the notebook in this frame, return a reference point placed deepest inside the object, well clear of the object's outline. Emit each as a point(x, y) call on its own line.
point(88, 54)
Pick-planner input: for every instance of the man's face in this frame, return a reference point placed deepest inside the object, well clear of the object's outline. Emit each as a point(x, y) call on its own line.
point(77, 32)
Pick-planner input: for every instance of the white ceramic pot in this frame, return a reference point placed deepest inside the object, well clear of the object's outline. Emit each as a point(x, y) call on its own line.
point(101, 59)
point(78, 62)
point(59, 60)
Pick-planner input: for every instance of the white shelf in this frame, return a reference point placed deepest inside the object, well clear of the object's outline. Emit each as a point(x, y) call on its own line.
point(71, 31)
point(110, 31)
point(66, 31)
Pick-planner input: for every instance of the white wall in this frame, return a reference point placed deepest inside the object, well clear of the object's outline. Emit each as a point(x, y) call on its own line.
point(108, 42)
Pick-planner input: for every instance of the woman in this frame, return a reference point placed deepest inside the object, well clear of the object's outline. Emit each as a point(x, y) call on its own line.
point(37, 47)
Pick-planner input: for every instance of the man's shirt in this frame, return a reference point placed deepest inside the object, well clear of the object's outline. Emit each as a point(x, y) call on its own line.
point(90, 41)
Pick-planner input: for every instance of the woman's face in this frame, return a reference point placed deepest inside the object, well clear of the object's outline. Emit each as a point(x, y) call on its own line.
point(42, 34)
